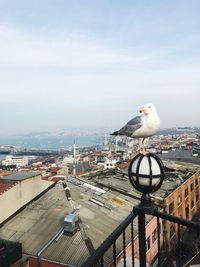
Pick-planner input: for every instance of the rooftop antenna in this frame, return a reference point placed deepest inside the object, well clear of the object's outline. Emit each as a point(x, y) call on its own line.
point(73, 222)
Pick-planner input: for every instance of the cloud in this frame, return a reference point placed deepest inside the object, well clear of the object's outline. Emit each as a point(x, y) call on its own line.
point(20, 48)
point(74, 77)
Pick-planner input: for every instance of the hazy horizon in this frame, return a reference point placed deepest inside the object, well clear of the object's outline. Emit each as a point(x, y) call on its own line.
point(77, 132)
point(65, 138)
point(89, 64)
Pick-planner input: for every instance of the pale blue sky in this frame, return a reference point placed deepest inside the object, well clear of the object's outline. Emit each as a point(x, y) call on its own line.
point(91, 64)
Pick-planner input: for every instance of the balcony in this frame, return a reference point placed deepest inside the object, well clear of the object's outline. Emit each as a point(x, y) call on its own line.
point(121, 248)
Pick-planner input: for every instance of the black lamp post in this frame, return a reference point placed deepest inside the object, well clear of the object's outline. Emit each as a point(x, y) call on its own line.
point(146, 174)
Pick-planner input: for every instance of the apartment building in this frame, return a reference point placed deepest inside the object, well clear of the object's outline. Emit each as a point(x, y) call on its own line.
point(178, 196)
point(13, 160)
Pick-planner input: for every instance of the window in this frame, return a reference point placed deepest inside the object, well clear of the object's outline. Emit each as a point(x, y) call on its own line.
point(172, 230)
point(186, 192)
point(148, 243)
point(187, 212)
point(179, 199)
point(171, 207)
point(191, 187)
point(197, 195)
point(154, 235)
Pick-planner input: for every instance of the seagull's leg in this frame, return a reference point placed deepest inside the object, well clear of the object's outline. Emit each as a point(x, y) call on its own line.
point(142, 147)
point(139, 145)
point(144, 143)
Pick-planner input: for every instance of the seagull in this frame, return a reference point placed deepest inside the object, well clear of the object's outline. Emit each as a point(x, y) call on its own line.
point(142, 126)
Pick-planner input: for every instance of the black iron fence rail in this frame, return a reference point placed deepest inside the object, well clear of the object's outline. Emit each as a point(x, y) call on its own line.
point(98, 258)
point(174, 219)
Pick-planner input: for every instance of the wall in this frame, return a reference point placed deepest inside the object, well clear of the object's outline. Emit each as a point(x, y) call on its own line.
point(179, 209)
point(20, 194)
point(44, 263)
point(152, 252)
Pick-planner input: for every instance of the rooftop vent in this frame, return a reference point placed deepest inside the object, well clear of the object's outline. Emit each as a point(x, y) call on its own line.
point(71, 223)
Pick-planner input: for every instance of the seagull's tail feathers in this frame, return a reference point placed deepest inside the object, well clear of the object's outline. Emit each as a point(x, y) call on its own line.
point(116, 133)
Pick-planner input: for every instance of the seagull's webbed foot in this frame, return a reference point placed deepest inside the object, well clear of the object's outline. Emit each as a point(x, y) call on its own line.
point(143, 150)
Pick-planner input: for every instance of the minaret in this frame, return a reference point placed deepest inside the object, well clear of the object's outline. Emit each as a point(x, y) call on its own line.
point(74, 158)
point(105, 141)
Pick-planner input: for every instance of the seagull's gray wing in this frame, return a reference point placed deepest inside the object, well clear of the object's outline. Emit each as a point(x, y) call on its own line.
point(130, 127)
point(135, 122)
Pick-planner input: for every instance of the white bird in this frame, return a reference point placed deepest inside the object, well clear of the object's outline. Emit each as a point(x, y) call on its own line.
point(142, 126)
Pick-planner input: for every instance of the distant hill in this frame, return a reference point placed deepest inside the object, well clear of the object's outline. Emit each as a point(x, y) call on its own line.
point(179, 130)
point(64, 133)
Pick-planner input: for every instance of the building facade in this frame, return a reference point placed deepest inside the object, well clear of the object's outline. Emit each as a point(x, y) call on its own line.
point(18, 161)
point(182, 202)
point(18, 189)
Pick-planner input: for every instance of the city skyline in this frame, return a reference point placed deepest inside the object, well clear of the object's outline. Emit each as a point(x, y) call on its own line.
point(88, 64)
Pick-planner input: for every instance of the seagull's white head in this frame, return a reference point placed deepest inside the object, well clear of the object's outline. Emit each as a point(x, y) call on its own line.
point(148, 108)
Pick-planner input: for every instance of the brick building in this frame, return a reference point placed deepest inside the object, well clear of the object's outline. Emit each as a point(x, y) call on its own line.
point(178, 196)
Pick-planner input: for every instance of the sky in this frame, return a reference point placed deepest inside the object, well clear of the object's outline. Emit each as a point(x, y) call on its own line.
point(94, 64)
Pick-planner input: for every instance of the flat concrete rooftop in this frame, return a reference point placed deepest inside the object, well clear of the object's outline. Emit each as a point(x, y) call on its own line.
point(40, 220)
point(20, 176)
point(176, 174)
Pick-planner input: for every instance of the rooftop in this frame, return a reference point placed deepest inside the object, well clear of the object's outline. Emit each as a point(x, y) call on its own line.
point(101, 211)
point(176, 174)
point(117, 179)
point(4, 173)
point(42, 219)
point(20, 176)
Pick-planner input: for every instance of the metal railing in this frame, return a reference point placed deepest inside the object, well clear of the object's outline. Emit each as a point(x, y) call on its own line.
point(114, 247)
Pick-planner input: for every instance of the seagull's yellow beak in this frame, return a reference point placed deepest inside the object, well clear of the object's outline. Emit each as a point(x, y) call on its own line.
point(143, 110)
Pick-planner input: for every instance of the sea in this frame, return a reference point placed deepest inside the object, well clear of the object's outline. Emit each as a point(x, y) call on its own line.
point(63, 142)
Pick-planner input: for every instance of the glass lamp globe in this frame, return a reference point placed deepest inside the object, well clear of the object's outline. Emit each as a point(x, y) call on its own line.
point(146, 173)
